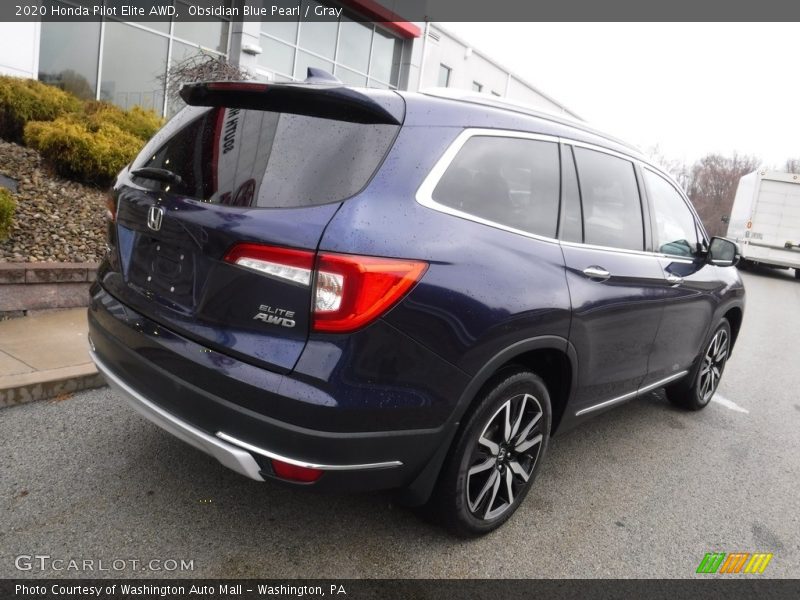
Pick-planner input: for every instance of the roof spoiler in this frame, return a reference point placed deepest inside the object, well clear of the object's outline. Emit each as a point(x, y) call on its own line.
point(315, 100)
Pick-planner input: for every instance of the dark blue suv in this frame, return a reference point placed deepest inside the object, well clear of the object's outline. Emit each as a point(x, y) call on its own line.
point(354, 289)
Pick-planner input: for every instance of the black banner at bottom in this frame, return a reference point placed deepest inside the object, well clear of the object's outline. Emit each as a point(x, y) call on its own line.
point(435, 589)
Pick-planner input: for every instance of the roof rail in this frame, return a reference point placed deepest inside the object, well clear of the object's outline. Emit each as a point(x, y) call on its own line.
point(526, 109)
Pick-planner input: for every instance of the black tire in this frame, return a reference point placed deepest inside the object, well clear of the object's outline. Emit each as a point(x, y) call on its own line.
point(695, 391)
point(797, 273)
point(465, 500)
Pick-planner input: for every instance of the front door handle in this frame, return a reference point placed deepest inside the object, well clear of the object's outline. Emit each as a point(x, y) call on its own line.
point(673, 279)
point(596, 273)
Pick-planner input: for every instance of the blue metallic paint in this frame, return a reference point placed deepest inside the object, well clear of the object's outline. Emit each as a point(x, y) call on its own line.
point(400, 386)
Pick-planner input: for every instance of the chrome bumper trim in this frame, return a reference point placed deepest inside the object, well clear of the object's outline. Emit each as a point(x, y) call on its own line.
point(230, 456)
point(228, 450)
point(308, 465)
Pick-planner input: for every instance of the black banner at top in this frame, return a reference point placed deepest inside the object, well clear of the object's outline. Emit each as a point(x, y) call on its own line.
point(399, 10)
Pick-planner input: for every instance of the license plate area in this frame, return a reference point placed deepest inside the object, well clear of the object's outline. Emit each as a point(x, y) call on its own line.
point(165, 270)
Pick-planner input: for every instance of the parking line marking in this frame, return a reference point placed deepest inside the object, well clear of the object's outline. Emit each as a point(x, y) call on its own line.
point(729, 404)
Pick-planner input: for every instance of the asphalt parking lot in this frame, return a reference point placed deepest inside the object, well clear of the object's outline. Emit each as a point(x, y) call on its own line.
point(642, 491)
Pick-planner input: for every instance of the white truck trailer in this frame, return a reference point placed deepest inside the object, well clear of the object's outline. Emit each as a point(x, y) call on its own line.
point(765, 219)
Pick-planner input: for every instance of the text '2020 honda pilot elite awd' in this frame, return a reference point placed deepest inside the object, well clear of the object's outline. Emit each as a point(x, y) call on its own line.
point(354, 289)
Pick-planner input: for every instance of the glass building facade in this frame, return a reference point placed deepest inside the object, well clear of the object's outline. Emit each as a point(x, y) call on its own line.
point(359, 54)
point(125, 62)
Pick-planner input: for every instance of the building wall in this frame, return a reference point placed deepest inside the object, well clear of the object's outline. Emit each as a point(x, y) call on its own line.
point(121, 62)
point(358, 53)
point(469, 66)
point(19, 49)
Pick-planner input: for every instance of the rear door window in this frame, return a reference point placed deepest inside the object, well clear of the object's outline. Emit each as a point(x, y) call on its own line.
point(509, 181)
point(254, 158)
point(612, 209)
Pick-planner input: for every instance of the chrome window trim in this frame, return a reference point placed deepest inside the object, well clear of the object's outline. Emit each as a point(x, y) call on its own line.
point(424, 195)
point(629, 395)
point(589, 146)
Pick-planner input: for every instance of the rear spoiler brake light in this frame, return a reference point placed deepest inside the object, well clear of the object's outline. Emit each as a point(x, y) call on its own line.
point(339, 103)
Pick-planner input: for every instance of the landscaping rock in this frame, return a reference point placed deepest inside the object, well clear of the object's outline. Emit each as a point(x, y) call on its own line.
point(56, 220)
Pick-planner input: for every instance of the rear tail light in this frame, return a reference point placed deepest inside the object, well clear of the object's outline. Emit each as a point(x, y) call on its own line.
point(294, 472)
point(283, 263)
point(352, 291)
point(349, 291)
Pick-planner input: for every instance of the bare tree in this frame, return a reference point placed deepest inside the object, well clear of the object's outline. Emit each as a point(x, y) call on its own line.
point(793, 166)
point(712, 183)
point(675, 167)
point(198, 67)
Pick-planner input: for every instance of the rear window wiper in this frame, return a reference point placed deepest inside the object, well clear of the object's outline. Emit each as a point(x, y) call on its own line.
point(157, 174)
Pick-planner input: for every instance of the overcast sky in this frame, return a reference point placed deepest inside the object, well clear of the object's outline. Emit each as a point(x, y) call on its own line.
point(689, 88)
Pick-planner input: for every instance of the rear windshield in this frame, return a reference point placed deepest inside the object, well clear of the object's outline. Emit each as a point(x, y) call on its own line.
point(254, 158)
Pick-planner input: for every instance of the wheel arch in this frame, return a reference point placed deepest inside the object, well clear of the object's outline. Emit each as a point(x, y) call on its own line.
point(553, 358)
point(734, 315)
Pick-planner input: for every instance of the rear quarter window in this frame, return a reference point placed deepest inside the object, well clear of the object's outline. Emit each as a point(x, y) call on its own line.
point(253, 158)
point(509, 181)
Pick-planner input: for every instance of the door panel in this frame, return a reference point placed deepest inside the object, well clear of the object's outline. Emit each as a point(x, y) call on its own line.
point(615, 321)
point(690, 302)
point(689, 286)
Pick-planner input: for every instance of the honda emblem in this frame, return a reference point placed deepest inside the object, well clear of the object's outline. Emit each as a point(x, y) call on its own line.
point(154, 217)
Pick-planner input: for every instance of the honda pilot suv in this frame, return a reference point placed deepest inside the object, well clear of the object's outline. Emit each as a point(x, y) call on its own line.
point(352, 289)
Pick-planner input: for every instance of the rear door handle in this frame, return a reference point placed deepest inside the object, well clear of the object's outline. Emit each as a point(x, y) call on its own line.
point(674, 279)
point(596, 273)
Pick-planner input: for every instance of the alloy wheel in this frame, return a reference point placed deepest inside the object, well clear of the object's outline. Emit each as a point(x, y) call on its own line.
point(504, 457)
point(713, 364)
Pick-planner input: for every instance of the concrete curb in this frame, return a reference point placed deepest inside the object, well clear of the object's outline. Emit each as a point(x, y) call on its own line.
point(45, 355)
point(44, 385)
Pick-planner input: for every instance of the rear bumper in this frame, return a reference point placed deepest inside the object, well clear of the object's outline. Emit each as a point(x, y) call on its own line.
point(222, 406)
point(232, 457)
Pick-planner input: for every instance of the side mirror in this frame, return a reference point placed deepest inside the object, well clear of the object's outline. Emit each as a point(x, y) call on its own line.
point(723, 252)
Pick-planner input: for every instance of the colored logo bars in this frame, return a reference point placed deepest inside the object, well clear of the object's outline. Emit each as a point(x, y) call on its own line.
point(735, 562)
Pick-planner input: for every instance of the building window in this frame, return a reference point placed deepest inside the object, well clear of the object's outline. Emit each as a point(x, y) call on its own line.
point(317, 37)
point(384, 63)
point(444, 75)
point(355, 41)
point(68, 57)
point(132, 59)
point(359, 54)
point(211, 34)
point(477, 87)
